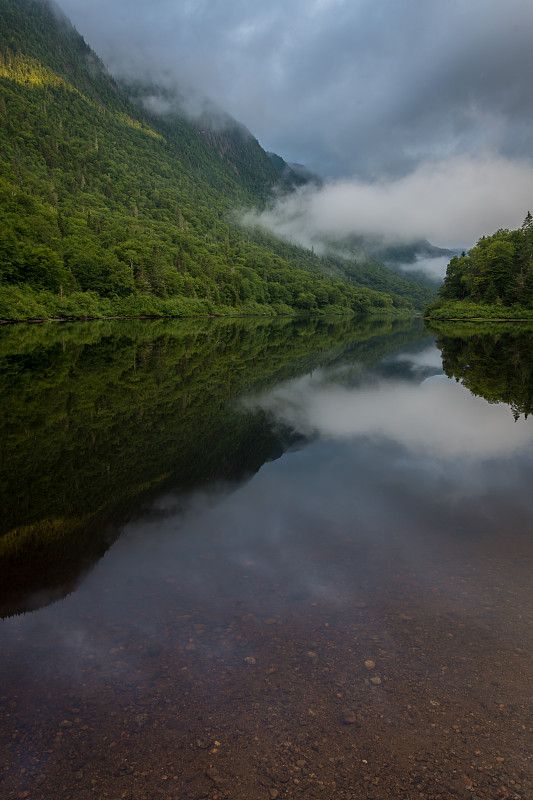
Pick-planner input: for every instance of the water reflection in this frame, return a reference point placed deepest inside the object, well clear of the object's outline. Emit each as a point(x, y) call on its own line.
point(496, 365)
point(99, 418)
point(354, 620)
point(427, 416)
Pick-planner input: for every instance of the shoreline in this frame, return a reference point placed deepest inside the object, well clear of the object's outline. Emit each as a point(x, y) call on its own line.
point(36, 321)
point(478, 319)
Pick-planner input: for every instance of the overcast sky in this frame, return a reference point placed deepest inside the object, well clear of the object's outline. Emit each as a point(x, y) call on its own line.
point(370, 89)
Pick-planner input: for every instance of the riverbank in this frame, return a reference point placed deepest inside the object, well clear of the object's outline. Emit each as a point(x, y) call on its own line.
point(19, 304)
point(457, 310)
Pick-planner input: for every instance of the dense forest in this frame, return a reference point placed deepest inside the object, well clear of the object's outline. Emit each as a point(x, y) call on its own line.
point(106, 209)
point(494, 279)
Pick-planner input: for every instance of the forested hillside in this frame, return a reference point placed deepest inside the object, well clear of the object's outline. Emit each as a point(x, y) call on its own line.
point(494, 279)
point(107, 209)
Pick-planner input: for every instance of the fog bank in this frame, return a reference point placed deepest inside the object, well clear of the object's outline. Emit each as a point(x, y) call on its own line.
point(452, 202)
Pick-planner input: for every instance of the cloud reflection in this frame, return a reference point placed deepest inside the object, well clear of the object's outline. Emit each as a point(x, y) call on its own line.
point(438, 418)
point(429, 357)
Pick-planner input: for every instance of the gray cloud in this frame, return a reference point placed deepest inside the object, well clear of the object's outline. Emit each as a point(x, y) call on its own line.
point(348, 88)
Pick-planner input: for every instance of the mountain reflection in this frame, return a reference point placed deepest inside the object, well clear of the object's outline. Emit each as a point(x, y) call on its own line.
point(99, 419)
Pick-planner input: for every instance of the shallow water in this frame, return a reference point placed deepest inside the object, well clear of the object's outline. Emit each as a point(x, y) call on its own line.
point(322, 588)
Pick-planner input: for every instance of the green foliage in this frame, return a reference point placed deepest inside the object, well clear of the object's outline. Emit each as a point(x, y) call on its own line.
point(98, 197)
point(463, 309)
point(494, 279)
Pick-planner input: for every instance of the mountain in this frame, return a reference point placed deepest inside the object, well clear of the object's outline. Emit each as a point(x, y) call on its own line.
point(405, 252)
point(406, 259)
point(293, 175)
point(114, 200)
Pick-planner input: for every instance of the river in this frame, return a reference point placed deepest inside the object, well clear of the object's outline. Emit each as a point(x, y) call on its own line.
point(247, 559)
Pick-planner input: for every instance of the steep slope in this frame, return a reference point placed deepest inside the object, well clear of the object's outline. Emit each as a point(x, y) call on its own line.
point(229, 143)
point(106, 208)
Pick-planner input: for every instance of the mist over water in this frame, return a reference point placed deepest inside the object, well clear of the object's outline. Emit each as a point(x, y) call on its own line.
point(223, 641)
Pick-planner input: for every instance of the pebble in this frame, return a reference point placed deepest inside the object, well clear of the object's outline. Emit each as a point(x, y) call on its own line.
point(369, 664)
point(201, 744)
point(250, 660)
point(376, 680)
point(349, 717)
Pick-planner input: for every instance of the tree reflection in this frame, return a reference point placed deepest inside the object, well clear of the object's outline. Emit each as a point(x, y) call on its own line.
point(493, 361)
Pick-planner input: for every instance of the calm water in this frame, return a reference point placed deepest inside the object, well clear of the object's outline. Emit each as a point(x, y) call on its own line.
point(245, 560)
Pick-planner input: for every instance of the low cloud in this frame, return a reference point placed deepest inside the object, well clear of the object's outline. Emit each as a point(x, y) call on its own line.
point(433, 267)
point(452, 202)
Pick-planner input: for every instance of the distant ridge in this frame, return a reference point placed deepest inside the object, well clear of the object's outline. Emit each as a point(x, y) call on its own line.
point(293, 175)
